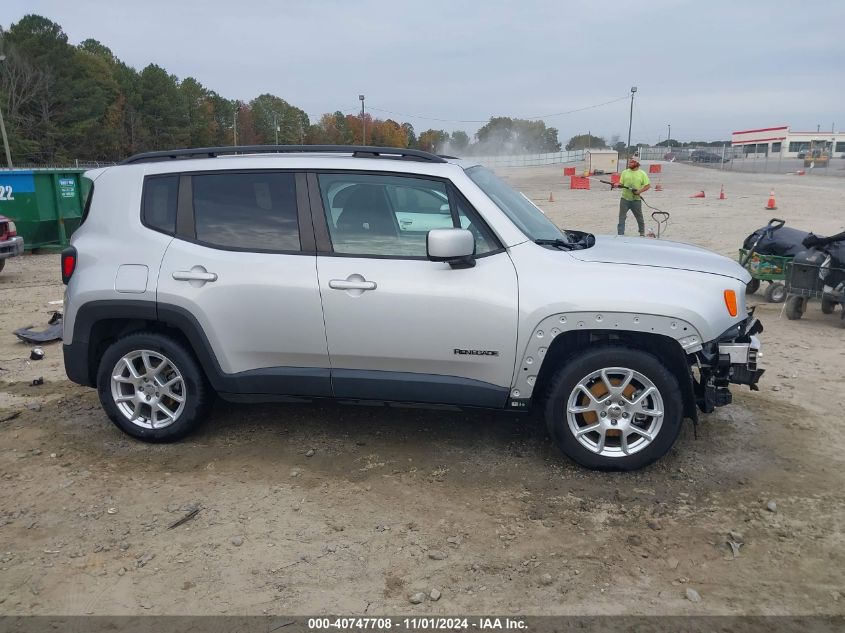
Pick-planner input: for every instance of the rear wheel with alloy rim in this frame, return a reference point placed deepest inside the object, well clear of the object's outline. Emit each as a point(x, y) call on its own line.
point(152, 387)
point(614, 408)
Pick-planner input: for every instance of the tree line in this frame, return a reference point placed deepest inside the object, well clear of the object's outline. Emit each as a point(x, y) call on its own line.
point(63, 102)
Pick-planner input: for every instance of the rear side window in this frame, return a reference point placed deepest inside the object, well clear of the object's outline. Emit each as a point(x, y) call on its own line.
point(160, 196)
point(247, 211)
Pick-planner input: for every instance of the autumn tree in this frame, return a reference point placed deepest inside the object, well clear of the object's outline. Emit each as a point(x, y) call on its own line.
point(433, 140)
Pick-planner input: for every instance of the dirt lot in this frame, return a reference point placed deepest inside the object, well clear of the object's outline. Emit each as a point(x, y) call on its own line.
point(479, 506)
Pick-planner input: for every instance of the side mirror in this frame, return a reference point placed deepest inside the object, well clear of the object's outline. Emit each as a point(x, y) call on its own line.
point(454, 246)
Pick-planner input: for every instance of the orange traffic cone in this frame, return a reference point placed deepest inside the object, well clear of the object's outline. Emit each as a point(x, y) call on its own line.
point(722, 195)
point(771, 205)
point(700, 194)
point(658, 186)
point(551, 197)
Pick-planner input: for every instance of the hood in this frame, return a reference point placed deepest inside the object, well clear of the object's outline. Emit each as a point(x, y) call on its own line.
point(642, 251)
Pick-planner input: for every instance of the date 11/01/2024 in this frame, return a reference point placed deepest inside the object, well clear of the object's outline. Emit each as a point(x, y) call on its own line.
point(423, 623)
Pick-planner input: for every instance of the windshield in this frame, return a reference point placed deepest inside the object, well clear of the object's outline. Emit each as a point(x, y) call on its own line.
point(517, 207)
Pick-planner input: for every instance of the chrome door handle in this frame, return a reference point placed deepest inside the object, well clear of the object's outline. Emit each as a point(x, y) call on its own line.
point(191, 275)
point(345, 284)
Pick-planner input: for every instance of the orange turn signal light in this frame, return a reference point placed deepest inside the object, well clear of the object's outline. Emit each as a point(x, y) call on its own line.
point(730, 302)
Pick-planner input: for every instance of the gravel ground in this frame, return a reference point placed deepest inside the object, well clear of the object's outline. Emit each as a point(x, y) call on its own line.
point(322, 508)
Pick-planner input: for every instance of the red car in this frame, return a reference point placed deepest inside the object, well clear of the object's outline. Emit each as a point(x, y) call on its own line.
point(11, 245)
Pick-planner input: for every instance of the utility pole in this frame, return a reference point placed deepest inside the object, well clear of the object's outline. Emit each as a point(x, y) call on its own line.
point(3, 130)
point(276, 128)
point(363, 120)
point(630, 120)
point(235, 127)
point(668, 142)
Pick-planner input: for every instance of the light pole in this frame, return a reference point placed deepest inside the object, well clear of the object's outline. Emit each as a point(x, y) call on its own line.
point(3, 130)
point(276, 128)
point(363, 120)
point(235, 127)
point(668, 142)
point(630, 120)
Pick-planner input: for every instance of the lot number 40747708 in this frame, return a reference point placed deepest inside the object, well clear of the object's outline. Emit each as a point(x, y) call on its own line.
point(6, 192)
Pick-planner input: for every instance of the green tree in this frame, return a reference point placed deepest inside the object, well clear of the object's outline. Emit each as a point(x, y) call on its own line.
point(586, 141)
point(506, 135)
point(163, 111)
point(223, 111)
point(459, 141)
point(91, 124)
point(98, 49)
point(199, 108)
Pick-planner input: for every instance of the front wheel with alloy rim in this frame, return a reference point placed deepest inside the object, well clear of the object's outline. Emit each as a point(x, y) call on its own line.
point(614, 408)
point(152, 387)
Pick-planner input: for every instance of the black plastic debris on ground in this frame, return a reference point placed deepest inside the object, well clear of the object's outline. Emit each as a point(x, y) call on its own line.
point(52, 333)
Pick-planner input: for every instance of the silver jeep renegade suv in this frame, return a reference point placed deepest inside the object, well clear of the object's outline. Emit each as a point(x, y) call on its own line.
point(274, 273)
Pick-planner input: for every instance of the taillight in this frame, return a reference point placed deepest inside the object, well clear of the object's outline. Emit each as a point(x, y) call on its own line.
point(13, 230)
point(68, 263)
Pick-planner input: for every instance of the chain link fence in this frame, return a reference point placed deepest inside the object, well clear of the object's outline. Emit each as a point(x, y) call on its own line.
point(73, 164)
point(531, 160)
point(744, 158)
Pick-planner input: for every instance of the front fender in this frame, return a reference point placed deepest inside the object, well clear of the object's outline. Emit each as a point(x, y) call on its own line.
point(553, 326)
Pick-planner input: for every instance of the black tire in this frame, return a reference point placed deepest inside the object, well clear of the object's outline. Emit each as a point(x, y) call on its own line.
point(2, 264)
point(752, 286)
point(794, 308)
point(197, 393)
point(776, 292)
point(579, 368)
point(828, 305)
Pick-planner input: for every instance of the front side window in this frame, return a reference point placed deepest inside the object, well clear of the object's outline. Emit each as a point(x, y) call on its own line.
point(246, 211)
point(390, 216)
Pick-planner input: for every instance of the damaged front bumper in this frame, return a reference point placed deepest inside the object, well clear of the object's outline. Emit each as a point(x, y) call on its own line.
point(733, 358)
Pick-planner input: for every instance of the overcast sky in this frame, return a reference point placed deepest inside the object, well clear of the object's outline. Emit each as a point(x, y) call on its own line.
point(707, 67)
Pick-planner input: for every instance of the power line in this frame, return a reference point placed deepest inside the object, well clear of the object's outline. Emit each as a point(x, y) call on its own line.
point(538, 116)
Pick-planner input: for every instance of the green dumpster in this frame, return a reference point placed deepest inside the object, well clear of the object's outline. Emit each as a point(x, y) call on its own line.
point(46, 204)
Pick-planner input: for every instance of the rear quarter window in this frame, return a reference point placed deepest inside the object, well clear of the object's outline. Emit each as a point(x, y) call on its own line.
point(160, 197)
point(88, 193)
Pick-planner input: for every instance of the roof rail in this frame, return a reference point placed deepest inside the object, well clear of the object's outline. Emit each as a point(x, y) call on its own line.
point(358, 151)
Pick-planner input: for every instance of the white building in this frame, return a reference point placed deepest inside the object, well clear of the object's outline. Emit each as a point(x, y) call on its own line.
point(783, 142)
